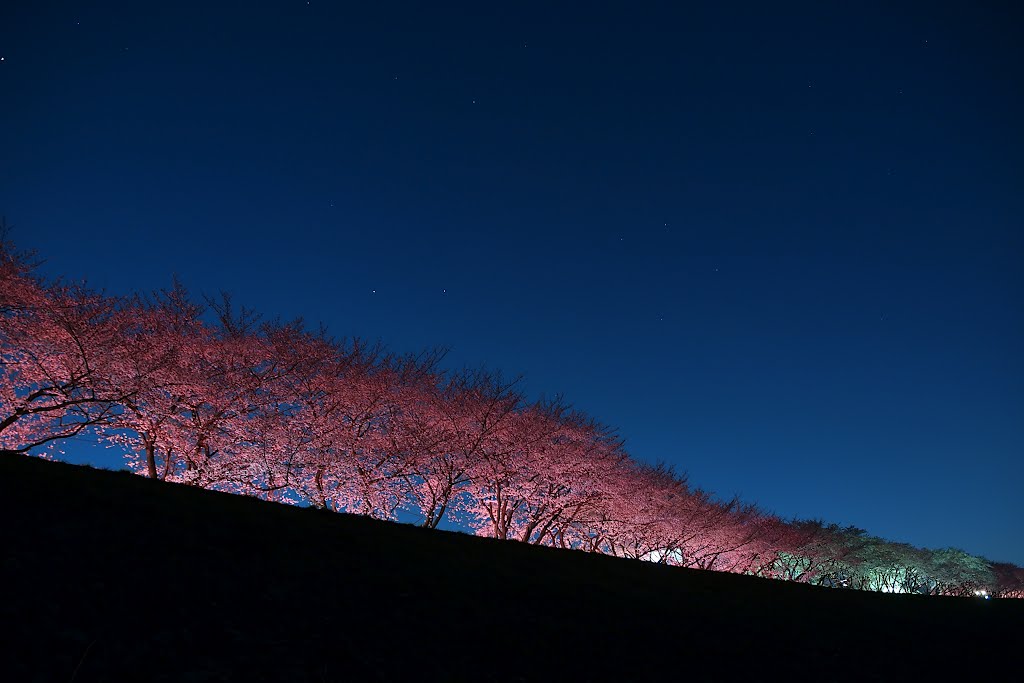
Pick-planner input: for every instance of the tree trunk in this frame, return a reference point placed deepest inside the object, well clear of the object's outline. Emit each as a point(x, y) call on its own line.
point(151, 459)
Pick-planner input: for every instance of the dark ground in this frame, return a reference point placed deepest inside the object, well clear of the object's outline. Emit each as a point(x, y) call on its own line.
point(108, 576)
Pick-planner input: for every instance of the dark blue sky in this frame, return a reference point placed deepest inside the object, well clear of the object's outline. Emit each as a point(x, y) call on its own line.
point(779, 246)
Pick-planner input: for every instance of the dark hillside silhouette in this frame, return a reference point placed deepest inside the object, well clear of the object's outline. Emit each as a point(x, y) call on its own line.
point(109, 576)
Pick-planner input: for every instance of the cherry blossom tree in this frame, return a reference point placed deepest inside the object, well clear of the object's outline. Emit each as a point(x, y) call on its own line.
point(346, 420)
point(484, 426)
point(578, 461)
point(751, 542)
point(188, 414)
point(1008, 580)
point(651, 514)
point(379, 469)
point(951, 571)
point(61, 356)
point(166, 334)
point(429, 434)
point(811, 551)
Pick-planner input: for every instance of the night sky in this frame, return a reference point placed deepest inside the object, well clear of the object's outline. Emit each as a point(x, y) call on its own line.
point(779, 246)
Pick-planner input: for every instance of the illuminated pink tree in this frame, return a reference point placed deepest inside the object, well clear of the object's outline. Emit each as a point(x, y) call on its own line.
point(183, 419)
point(431, 435)
point(349, 456)
point(61, 357)
point(1008, 580)
point(479, 424)
point(536, 471)
point(166, 335)
point(566, 491)
point(744, 539)
point(653, 515)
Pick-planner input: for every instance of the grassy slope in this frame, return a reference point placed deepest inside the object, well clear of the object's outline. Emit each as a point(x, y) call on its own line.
point(155, 581)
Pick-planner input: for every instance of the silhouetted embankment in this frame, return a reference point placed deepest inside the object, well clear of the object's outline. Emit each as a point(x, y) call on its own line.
point(108, 576)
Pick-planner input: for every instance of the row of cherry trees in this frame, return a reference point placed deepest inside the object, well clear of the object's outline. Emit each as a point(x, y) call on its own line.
point(212, 397)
